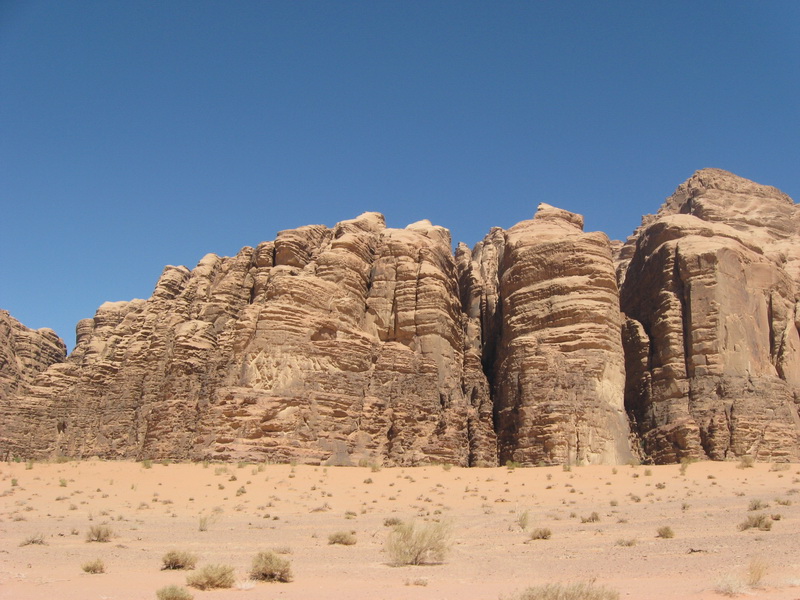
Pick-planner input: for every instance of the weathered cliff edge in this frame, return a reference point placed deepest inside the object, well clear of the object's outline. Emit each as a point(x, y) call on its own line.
point(543, 344)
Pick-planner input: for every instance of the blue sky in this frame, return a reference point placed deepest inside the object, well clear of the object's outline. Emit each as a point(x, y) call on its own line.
point(139, 134)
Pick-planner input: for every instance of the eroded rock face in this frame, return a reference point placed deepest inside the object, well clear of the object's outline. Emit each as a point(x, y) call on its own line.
point(710, 286)
point(547, 297)
point(364, 343)
point(25, 353)
point(340, 344)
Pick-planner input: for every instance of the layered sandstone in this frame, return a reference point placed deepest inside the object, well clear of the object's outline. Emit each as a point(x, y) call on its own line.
point(336, 345)
point(25, 353)
point(366, 343)
point(710, 288)
point(546, 295)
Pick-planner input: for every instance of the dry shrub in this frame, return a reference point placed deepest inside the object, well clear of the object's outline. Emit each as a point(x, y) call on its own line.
point(757, 505)
point(94, 567)
point(417, 544)
point(746, 462)
point(626, 542)
point(176, 559)
point(345, 538)
point(760, 521)
point(268, 566)
point(665, 532)
point(756, 571)
point(392, 521)
point(35, 540)
point(571, 591)
point(211, 577)
point(541, 533)
point(99, 533)
point(592, 518)
point(729, 585)
point(173, 592)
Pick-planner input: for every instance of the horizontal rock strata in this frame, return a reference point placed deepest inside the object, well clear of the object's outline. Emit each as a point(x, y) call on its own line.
point(543, 344)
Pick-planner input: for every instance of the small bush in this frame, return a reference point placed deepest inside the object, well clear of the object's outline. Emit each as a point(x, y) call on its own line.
point(392, 521)
point(522, 520)
point(268, 566)
point(746, 462)
point(414, 544)
point(572, 591)
point(760, 521)
point(99, 533)
point(345, 538)
point(211, 577)
point(175, 559)
point(541, 533)
point(665, 532)
point(729, 586)
point(173, 592)
point(592, 518)
point(94, 567)
point(626, 542)
point(756, 571)
point(757, 505)
point(34, 540)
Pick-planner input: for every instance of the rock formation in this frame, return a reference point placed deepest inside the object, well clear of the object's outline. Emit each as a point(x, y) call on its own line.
point(365, 343)
point(710, 289)
point(25, 353)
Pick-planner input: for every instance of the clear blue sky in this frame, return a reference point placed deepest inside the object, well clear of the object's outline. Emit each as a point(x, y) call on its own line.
point(135, 134)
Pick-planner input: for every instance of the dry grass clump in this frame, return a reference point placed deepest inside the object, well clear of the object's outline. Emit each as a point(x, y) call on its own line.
point(345, 538)
point(746, 462)
point(592, 518)
point(94, 567)
point(756, 571)
point(571, 591)
point(760, 521)
point(268, 566)
point(392, 521)
point(665, 532)
point(212, 577)
point(34, 540)
point(729, 585)
point(417, 544)
point(173, 592)
point(626, 542)
point(176, 559)
point(757, 505)
point(541, 533)
point(99, 533)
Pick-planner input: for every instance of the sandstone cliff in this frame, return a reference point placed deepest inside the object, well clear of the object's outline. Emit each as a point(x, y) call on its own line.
point(710, 288)
point(366, 343)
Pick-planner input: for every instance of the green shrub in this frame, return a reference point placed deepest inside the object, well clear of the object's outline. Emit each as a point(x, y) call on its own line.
point(211, 577)
point(175, 559)
point(416, 544)
point(268, 566)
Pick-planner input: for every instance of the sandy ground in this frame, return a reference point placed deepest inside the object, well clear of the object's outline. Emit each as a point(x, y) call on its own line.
point(250, 508)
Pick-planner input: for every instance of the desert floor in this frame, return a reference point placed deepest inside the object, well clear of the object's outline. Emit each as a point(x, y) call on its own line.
point(249, 508)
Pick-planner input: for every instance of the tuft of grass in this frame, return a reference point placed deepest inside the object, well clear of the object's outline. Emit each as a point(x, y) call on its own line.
point(177, 559)
point(95, 567)
point(522, 520)
point(212, 577)
point(99, 533)
point(392, 521)
point(541, 533)
point(757, 505)
point(756, 571)
point(665, 532)
point(759, 521)
point(173, 592)
point(592, 518)
point(746, 462)
point(729, 585)
point(345, 538)
point(417, 544)
point(268, 566)
point(147, 464)
point(34, 540)
point(626, 542)
point(571, 591)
